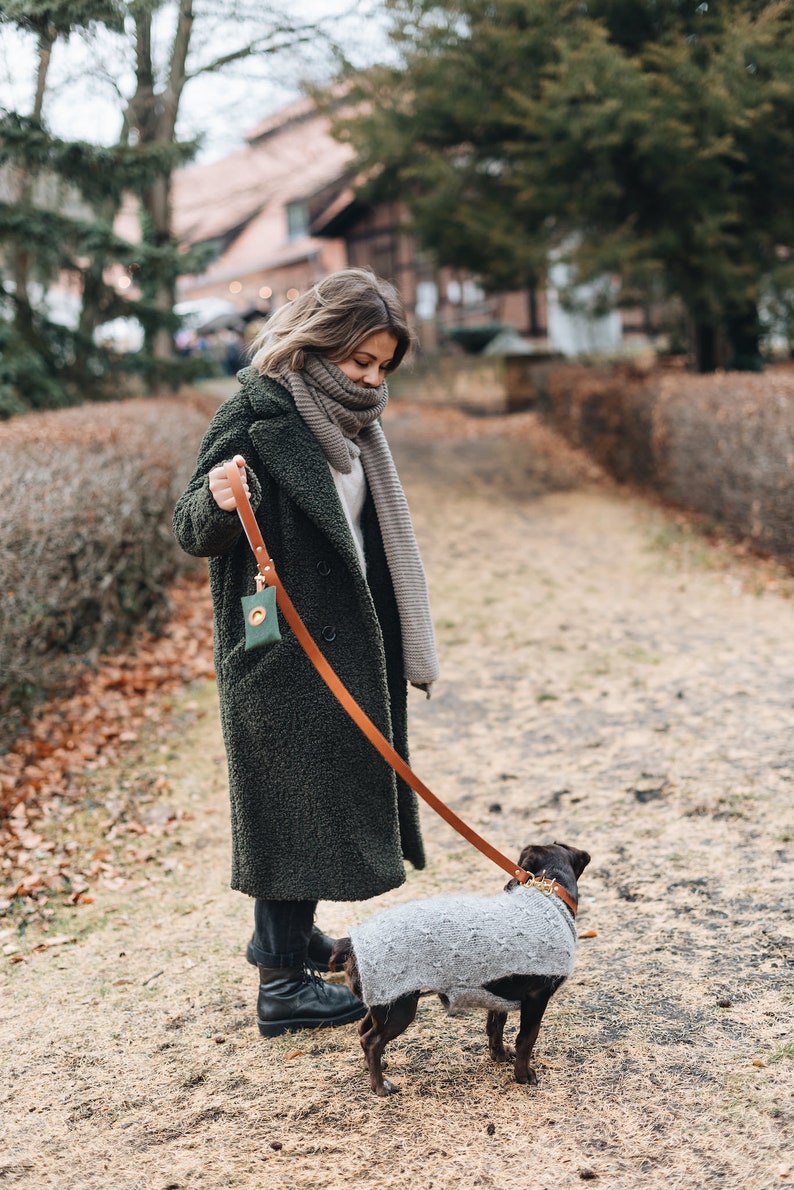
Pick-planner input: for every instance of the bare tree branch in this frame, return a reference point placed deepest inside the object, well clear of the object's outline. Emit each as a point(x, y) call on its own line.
point(47, 38)
point(142, 105)
point(253, 49)
point(177, 76)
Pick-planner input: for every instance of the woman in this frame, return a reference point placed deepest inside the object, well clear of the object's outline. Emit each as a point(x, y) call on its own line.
point(317, 814)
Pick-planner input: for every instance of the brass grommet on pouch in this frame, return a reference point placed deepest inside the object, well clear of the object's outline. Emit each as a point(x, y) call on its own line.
point(256, 615)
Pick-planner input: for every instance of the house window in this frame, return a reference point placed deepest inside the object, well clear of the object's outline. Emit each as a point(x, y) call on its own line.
point(297, 220)
point(426, 299)
point(467, 294)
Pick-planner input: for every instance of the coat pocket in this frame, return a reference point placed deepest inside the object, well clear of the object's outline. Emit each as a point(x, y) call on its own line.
point(244, 665)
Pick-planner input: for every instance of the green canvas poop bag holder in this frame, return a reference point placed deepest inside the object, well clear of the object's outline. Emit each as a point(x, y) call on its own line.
point(259, 609)
point(261, 620)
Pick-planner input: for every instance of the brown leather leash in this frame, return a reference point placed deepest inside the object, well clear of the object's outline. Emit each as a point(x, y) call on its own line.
point(268, 572)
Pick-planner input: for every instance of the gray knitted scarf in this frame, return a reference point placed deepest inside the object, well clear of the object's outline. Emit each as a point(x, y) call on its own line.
point(343, 416)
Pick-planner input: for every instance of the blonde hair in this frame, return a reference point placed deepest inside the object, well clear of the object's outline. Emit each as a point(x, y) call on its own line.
point(332, 319)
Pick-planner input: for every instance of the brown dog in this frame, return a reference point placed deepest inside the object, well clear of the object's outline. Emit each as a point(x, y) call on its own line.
point(507, 952)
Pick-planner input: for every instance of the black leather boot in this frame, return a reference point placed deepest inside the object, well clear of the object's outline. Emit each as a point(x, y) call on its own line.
point(319, 951)
point(292, 998)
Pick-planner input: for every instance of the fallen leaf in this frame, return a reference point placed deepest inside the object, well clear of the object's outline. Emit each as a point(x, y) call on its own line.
point(45, 772)
point(48, 943)
point(292, 1054)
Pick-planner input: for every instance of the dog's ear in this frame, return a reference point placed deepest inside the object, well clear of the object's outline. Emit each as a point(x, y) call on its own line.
point(579, 859)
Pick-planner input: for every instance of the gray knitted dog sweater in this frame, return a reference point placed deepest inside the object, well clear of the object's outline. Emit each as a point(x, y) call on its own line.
point(454, 944)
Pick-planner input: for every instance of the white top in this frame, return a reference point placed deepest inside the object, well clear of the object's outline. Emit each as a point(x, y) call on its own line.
point(352, 491)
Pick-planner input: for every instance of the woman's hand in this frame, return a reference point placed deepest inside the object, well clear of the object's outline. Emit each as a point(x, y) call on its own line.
point(221, 489)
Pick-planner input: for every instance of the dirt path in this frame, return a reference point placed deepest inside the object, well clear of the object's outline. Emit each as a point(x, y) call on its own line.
point(608, 680)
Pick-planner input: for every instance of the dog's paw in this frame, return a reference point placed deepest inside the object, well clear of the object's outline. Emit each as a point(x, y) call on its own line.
point(504, 1053)
point(387, 1087)
point(526, 1076)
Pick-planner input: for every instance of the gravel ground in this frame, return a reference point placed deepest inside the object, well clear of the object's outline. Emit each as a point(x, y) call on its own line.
point(610, 679)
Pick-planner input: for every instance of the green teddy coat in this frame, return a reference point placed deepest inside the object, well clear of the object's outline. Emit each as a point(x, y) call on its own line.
point(316, 813)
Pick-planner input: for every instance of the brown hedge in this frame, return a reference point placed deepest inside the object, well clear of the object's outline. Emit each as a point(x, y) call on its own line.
point(719, 445)
point(86, 548)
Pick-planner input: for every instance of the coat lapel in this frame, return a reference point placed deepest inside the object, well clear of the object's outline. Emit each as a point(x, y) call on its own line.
point(291, 454)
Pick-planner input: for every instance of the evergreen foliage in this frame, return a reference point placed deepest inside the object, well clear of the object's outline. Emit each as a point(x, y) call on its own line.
point(650, 140)
point(59, 202)
point(59, 199)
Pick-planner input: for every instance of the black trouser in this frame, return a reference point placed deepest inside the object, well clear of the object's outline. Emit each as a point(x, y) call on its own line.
point(282, 930)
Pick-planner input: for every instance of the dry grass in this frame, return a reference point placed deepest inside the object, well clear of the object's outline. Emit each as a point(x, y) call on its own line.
point(609, 680)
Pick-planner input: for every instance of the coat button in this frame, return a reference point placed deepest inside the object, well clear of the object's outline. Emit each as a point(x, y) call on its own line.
point(329, 633)
point(323, 568)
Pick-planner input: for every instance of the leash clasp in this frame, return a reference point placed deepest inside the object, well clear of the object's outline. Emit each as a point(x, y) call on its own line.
point(542, 884)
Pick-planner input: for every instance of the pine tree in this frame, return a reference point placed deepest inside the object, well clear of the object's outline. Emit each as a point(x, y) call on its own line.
point(58, 204)
point(151, 112)
point(655, 141)
point(142, 164)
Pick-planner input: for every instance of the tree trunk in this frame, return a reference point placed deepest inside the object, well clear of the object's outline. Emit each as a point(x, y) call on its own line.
point(46, 41)
point(153, 117)
point(704, 345)
point(532, 307)
point(21, 259)
point(157, 203)
point(94, 299)
point(743, 330)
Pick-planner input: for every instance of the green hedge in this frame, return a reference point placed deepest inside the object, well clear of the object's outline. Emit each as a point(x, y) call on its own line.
point(86, 547)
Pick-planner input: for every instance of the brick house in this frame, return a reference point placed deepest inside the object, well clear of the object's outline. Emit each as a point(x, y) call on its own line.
point(280, 212)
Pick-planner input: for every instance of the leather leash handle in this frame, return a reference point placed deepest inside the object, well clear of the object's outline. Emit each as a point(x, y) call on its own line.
point(360, 718)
